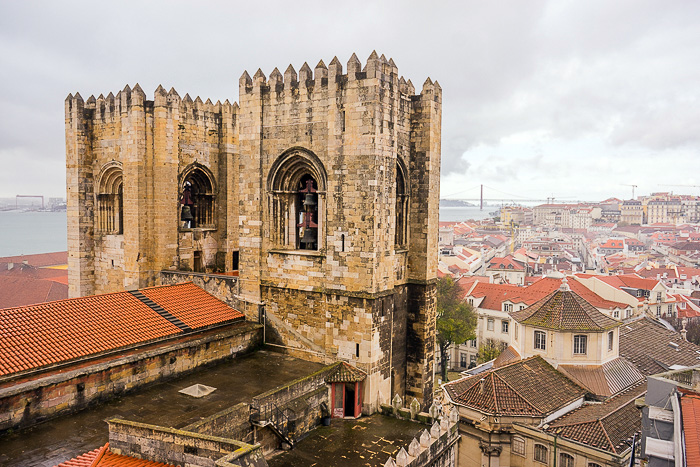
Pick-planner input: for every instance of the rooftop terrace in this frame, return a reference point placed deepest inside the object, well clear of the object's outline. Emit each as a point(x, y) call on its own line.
point(235, 381)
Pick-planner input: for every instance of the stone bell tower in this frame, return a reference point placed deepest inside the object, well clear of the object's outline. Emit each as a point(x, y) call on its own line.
point(338, 228)
point(319, 186)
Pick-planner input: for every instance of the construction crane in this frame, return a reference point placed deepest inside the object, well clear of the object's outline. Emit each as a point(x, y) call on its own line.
point(633, 187)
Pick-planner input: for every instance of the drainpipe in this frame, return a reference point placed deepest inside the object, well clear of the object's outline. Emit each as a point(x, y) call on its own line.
point(555, 450)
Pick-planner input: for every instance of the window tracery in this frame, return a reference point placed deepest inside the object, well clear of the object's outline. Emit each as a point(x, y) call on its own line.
point(110, 200)
point(401, 232)
point(296, 187)
point(197, 198)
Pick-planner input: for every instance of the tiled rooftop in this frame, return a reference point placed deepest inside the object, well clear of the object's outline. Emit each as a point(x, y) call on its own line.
point(38, 260)
point(653, 349)
point(690, 408)
point(103, 457)
point(192, 305)
point(49, 333)
point(345, 373)
point(530, 387)
point(609, 426)
point(564, 310)
point(604, 380)
point(18, 290)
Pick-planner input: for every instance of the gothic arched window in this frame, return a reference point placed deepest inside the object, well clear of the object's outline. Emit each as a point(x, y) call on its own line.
point(110, 200)
point(297, 186)
point(197, 198)
point(401, 232)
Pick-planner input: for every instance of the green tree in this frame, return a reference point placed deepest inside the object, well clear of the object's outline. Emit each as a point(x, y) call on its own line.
point(489, 350)
point(456, 319)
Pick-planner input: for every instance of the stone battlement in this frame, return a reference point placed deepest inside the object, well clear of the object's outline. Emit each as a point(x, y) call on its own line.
point(328, 77)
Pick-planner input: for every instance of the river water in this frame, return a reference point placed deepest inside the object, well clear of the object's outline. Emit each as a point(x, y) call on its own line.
point(27, 233)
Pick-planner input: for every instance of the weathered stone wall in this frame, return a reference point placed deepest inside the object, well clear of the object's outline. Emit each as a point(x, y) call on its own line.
point(300, 401)
point(153, 143)
point(179, 447)
point(223, 287)
point(356, 129)
point(79, 385)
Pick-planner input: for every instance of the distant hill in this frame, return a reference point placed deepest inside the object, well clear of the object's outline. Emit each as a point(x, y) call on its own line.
point(455, 203)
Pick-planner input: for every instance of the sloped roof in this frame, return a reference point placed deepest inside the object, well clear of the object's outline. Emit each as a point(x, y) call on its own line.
point(604, 380)
point(609, 426)
point(39, 260)
point(20, 291)
point(345, 373)
point(506, 262)
point(509, 355)
point(48, 333)
point(647, 345)
point(549, 284)
point(690, 408)
point(495, 294)
point(103, 457)
point(530, 387)
point(629, 280)
point(564, 310)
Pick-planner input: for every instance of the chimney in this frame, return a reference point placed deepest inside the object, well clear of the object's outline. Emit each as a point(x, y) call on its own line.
point(10, 266)
point(482, 385)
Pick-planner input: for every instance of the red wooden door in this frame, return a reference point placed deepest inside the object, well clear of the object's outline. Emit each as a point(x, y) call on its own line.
point(358, 399)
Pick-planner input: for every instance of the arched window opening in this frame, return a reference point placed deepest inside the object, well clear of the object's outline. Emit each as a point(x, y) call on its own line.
point(296, 187)
point(307, 207)
point(401, 232)
point(197, 199)
point(110, 201)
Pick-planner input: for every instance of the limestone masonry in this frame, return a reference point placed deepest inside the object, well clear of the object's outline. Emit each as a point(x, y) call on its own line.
point(319, 187)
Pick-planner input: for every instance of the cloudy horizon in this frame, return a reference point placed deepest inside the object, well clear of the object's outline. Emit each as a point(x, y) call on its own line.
point(563, 99)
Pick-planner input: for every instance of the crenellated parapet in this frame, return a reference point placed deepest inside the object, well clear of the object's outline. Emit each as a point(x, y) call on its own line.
point(323, 78)
point(110, 109)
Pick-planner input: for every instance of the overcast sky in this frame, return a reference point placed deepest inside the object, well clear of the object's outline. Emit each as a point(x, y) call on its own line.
point(570, 99)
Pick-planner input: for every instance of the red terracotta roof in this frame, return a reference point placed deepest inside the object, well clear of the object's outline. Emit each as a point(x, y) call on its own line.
point(564, 310)
point(690, 408)
point(39, 260)
point(609, 426)
point(530, 387)
point(54, 332)
point(549, 284)
point(629, 280)
point(21, 291)
point(192, 305)
point(604, 380)
point(103, 457)
point(345, 373)
point(654, 349)
point(83, 460)
point(495, 294)
point(507, 262)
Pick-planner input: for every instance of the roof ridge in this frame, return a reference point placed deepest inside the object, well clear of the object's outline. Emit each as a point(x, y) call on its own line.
point(605, 432)
point(86, 297)
point(518, 394)
point(493, 388)
point(100, 454)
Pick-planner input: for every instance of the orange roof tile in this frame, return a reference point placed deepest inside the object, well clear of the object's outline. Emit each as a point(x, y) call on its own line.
point(38, 260)
point(690, 408)
point(103, 457)
point(530, 387)
point(55, 332)
point(609, 426)
point(564, 310)
point(192, 305)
